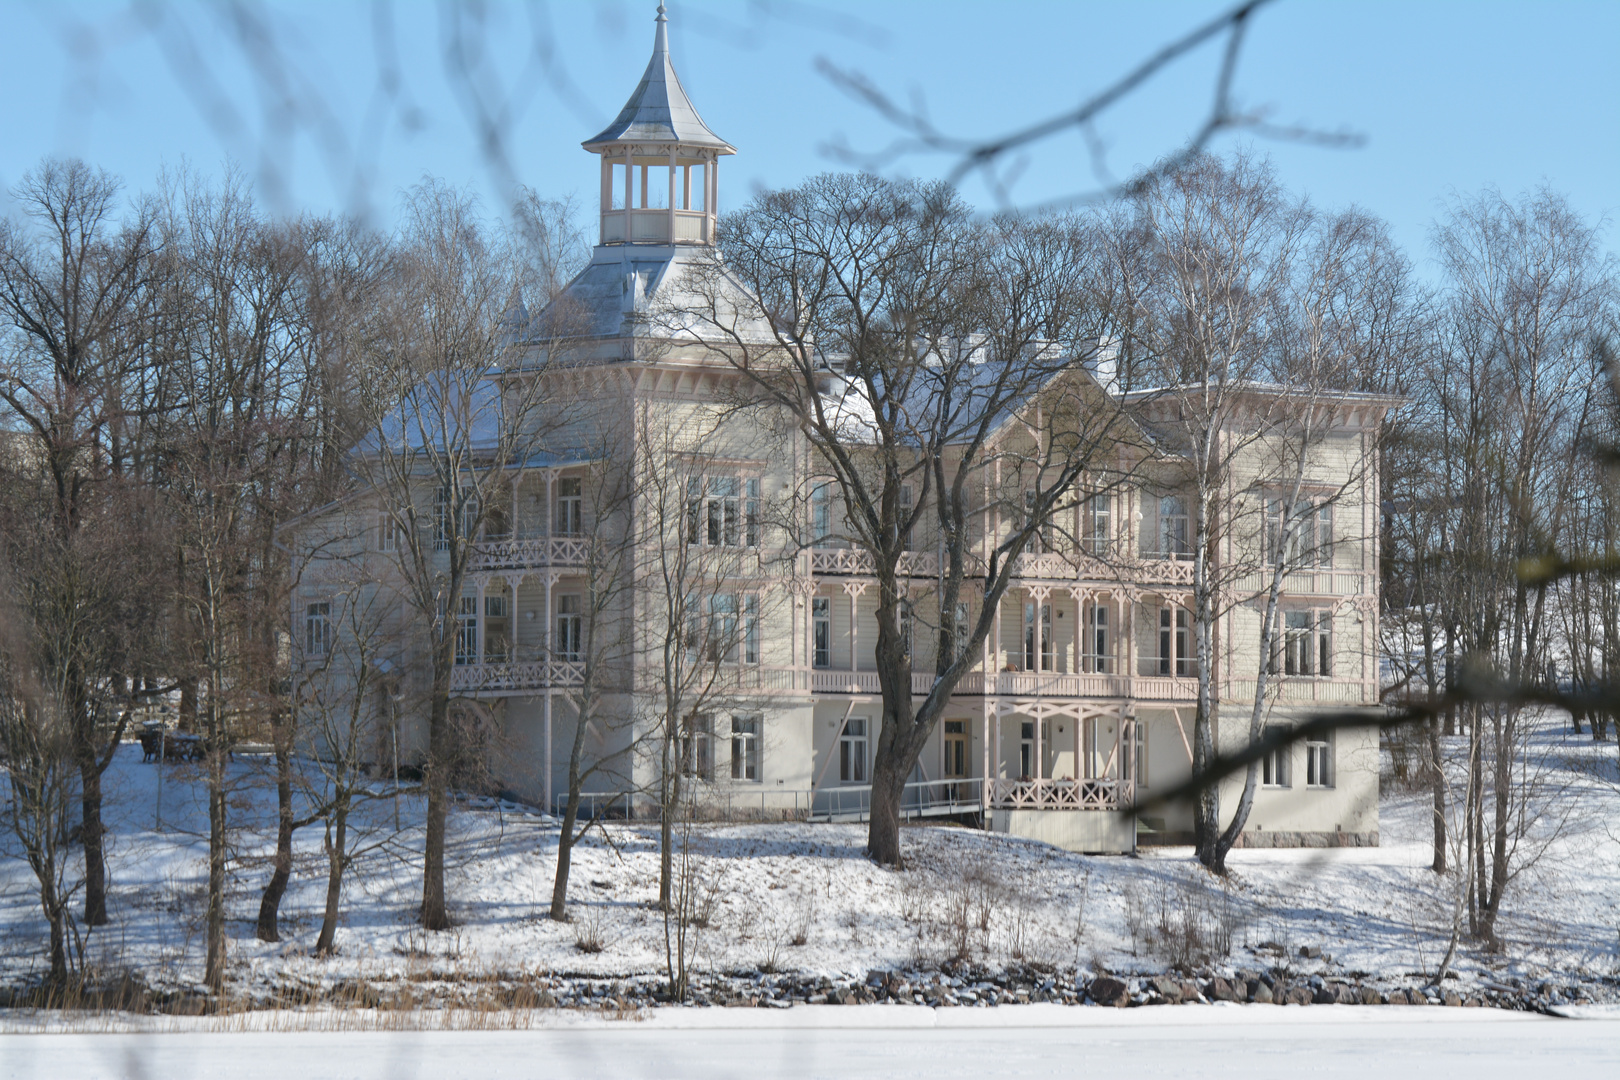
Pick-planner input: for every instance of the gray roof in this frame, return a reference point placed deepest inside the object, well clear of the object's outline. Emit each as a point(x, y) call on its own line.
point(659, 110)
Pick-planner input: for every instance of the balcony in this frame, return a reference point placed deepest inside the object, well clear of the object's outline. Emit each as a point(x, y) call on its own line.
point(569, 552)
point(1061, 794)
point(1153, 569)
point(475, 679)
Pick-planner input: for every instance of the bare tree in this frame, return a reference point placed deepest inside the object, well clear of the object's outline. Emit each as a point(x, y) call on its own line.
point(451, 412)
point(70, 288)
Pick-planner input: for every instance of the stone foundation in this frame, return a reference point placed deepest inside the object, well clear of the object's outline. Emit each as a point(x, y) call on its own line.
point(1287, 839)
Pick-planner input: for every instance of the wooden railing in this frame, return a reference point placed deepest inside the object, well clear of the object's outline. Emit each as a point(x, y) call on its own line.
point(1100, 794)
point(533, 675)
point(534, 551)
point(1050, 566)
point(652, 226)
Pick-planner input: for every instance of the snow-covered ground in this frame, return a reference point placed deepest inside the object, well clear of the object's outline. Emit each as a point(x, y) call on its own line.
point(1251, 1041)
point(800, 897)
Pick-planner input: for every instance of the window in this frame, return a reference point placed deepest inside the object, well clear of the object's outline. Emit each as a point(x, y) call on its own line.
point(1136, 752)
point(722, 511)
point(955, 747)
point(570, 507)
point(1032, 643)
point(745, 748)
point(1096, 655)
point(697, 747)
point(733, 628)
point(467, 630)
point(441, 521)
point(905, 517)
point(1274, 766)
point(387, 532)
point(1173, 526)
point(1307, 643)
point(469, 517)
point(497, 621)
point(821, 631)
point(1097, 524)
point(1309, 542)
point(821, 515)
point(569, 626)
point(317, 629)
point(1026, 749)
point(852, 751)
point(1175, 641)
point(1318, 763)
point(908, 622)
point(1042, 538)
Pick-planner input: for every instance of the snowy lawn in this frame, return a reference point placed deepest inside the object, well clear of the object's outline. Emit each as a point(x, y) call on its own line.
point(797, 897)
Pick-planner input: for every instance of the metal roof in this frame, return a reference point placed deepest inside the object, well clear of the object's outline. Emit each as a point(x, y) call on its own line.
point(659, 110)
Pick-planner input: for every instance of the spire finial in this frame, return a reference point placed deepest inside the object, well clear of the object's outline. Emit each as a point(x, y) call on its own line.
point(661, 16)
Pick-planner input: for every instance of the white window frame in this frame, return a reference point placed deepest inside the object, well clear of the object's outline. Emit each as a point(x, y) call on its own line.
point(745, 755)
point(1319, 762)
point(467, 629)
point(1175, 641)
point(697, 746)
point(1305, 641)
point(1096, 655)
point(821, 631)
point(570, 627)
point(387, 531)
point(853, 747)
point(570, 510)
point(722, 511)
point(1097, 523)
point(318, 629)
point(1274, 767)
point(1175, 526)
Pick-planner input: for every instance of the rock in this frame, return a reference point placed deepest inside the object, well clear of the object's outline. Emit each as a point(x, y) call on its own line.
point(1324, 995)
point(1342, 994)
point(1310, 952)
point(1296, 995)
point(1221, 990)
point(1167, 988)
point(1259, 992)
point(1367, 995)
point(1108, 991)
point(1452, 998)
point(1189, 991)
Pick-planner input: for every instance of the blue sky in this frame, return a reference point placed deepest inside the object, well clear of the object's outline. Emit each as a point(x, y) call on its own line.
point(1449, 96)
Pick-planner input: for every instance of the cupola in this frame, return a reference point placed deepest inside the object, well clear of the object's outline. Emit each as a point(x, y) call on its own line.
point(659, 159)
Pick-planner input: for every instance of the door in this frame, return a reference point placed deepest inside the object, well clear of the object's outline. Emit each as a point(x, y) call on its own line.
point(956, 758)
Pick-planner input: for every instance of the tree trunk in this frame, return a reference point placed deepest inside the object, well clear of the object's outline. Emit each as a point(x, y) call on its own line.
point(435, 914)
point(1437, 782)
point(888, 789)
point(337, 839)
point(566, 838)
point(214, 969)
point(270, 902)
point(92, 837)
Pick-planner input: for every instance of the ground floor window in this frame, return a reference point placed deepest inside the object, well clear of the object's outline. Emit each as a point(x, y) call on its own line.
point(852, 751)
point(1135, 746)
point(697, 747)
point(1318, 763)
point(955, 745)
point(1274, 766)
point(745, 748)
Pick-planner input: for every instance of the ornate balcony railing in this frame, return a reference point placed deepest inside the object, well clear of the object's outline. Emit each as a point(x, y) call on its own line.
point(533, 675)
point(1091, 794)
point(1051, 566)
point(534, 551)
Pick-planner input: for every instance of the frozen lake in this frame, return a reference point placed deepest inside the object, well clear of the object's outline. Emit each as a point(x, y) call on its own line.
point(876, 1041)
